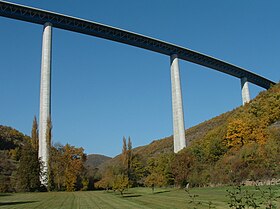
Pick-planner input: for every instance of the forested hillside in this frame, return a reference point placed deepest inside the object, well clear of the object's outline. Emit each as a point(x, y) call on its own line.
point(244, 147)
point(243, 144)
point(10, 142)
point(240, 145)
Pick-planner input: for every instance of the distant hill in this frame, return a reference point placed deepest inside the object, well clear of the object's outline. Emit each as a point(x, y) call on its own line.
point(95, 160)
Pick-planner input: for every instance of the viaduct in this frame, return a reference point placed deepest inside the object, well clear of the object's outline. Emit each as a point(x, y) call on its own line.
point(50, 19)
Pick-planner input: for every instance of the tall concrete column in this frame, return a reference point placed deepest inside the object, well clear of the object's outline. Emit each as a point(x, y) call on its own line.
point(45, 98)
point(177, 106)
point(245, 90)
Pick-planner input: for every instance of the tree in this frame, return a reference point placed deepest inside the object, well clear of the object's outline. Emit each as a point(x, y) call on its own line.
point(138, 170)
point(57, 162)
point(181, 167)
point(28, 171)
point(124, 155)
point(120, 183)
point(49, 133)
point(74, 166)
point(107, 179)
point(50, 175)
point(154, 180)
point(7, 169)
point(67, 168)
point(129, 153)
point(129, 159)
point(34, 135)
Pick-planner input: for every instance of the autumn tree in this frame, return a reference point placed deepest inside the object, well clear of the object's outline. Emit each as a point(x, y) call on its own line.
point(159, 171)
point(67, 168)
point(74, 166)
point(120, 183)
point(154, 180)
point(57, 163)
point(124, 156)
point(107, 179)
point(50, 175)
point(49, 133)
point(129, 159)
point(127, 156)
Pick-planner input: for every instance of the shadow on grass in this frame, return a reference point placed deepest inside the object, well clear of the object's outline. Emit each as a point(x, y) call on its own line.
point(131, 195)
point(161, 192)
point(5, 194)
point(15, 203)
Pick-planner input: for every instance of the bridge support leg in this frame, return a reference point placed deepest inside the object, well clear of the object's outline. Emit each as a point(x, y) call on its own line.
point(245, 90)
point(45, 99)
point(177, 106)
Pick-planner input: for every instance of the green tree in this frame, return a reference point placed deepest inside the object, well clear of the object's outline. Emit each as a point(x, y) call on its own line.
point(7, 169)
point(138, 170)
point(28, 171)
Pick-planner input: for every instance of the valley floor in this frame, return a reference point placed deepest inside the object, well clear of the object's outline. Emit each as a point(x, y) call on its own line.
point(135, 198)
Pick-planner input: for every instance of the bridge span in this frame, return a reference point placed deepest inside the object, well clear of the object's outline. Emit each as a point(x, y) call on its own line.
point(50, 19)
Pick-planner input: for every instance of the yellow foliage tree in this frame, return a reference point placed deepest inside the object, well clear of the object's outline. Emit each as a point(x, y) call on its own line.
point(120, 183)
point(74, 158)
point(238, 133)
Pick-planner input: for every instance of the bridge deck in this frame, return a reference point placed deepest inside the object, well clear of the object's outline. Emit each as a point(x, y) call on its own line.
point(74, 24)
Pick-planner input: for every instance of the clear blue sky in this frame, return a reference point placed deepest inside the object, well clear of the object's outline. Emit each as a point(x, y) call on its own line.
point(102, 91)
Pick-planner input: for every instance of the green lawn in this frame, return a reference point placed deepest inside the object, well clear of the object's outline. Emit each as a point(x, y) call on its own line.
point(135, 198)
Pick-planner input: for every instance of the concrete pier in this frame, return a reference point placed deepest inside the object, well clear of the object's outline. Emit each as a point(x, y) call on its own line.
point(245, 90)
point(177, 106)
point(45, 98)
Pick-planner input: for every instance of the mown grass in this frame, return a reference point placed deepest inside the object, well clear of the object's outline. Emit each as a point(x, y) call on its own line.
point(135, 198)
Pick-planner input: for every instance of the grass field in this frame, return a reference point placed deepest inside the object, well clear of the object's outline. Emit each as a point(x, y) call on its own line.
point(133, 199)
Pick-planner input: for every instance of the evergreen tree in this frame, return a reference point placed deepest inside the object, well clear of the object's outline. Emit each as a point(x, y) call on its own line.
point(28, 172)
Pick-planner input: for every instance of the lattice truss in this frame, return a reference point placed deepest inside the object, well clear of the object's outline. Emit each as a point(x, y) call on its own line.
point(37, 16)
